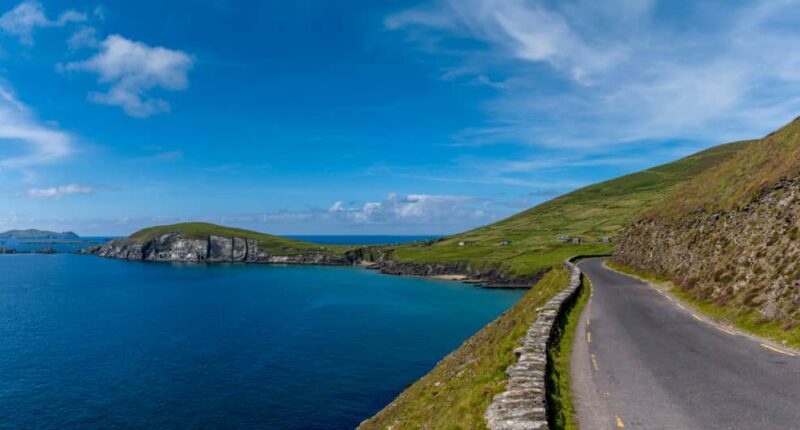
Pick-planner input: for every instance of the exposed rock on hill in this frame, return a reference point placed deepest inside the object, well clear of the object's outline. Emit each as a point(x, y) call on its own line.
point(732, 235)
point(174, 247)
point(748, 258)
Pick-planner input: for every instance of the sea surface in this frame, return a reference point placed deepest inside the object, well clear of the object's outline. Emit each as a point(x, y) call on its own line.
point(57, 245)
point(87, 342)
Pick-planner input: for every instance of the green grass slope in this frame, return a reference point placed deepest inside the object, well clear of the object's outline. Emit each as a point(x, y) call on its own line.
point(738, 180)
point(266, 242)
point(593, 212)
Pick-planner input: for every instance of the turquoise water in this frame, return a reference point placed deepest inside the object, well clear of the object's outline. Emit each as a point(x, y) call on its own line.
point(96, 343)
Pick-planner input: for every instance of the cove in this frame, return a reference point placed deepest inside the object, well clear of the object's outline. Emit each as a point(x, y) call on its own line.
point(96, 343)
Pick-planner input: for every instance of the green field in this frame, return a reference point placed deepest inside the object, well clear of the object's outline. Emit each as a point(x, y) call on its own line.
point(591, 213)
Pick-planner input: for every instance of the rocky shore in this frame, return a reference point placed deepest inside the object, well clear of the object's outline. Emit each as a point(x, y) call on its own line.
point(174, 247)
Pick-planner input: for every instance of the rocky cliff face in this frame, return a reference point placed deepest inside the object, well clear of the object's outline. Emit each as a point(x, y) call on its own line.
point(173, 247)
point(747, 258)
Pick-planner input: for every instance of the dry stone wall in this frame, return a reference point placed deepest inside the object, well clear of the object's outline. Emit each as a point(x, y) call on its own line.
point(523, 405)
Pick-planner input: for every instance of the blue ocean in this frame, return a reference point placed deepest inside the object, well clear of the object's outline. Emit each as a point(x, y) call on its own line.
point(97, 343)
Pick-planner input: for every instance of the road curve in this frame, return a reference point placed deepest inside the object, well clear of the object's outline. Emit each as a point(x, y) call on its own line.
point(642, 362)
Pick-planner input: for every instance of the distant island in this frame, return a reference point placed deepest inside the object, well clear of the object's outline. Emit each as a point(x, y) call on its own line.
point(37, 234)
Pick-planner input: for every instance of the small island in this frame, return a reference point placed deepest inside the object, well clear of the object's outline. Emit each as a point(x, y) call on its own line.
point(34, 234)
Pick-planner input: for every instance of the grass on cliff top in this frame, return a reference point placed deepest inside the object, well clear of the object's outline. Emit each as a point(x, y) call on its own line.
point(738, 180)
point(593, 212)
point(742, 318)
point(456, 393)
point(266, 242)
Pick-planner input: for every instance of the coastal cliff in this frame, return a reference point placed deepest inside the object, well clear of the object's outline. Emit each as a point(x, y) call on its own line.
point(175, 247)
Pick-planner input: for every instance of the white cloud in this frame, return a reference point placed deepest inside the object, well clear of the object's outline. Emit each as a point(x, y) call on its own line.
point(58, 192)
point(132, 69)
point(418, 208)
point(23, 19)
point(590, 75)
point(31, 142)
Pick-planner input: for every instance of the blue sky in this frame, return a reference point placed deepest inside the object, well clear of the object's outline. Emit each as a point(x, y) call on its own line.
point(367, 117)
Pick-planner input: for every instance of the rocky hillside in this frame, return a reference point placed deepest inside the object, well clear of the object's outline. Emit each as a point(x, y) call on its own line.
point(731, 236)
point(201, 242)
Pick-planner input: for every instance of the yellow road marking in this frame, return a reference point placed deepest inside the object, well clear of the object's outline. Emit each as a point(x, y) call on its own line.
point(588, 321)
point(594, 362)
point(777, 350)
point(680, 306)
point(620, 424)
point(697, 317)
point(724, 330)
point(589, 336)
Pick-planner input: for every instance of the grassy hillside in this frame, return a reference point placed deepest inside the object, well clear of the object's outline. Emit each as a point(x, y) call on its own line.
point(266, 242)
point(739, 179)
point(456, 393)
point(594, 212)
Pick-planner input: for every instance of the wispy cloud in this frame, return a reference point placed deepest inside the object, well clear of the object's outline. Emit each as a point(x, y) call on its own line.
point(32, 141)
point(586, 74)
point(133, 69)
point(84, 37)
point(60, 191)
point(26, 17)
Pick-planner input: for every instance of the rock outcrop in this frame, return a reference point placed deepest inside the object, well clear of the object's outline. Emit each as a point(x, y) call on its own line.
point(173, 247)
point(746, 258)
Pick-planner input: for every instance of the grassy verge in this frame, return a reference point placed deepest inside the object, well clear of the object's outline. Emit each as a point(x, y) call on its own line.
point(559, 394)
point(456, 393)
point(742, 319)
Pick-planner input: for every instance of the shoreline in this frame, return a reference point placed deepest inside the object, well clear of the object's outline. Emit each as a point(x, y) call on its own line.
point(460, 278)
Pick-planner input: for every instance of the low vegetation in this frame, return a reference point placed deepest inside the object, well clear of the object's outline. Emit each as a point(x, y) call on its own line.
point(735, 182)
point(456, 393)
point(740, 317)
point(559, 394)
point(592, 213)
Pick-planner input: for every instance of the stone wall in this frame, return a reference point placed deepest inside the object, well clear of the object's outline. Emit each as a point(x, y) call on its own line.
point(745, 259)
point(523, 405)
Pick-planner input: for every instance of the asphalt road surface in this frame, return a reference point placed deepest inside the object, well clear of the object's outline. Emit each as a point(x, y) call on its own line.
point(643, 360)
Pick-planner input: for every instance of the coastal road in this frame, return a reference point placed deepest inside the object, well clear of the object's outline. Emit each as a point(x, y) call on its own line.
point(643, 360)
